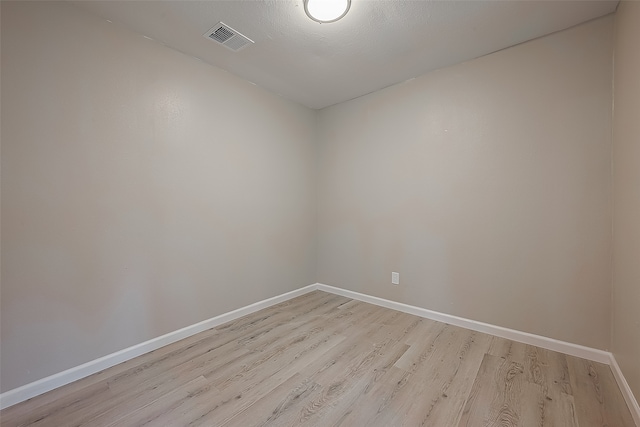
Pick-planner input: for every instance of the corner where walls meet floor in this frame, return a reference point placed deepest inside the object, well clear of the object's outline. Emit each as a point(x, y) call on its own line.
point(44, 385)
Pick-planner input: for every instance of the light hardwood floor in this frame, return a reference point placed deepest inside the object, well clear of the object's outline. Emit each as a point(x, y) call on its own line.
point(326, 360)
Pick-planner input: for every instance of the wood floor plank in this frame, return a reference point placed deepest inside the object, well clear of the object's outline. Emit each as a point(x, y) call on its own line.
point(549, 369)
point(160, 410)
point(559, 410)
point(326, 360)
point(47, 413)
point(373, 408)
point(133, 395)
point(502, 396)
point(403, 328)
point(350, 385)
point(221, 407)
point(508, 349)
point(283, 406)
point(256, 364)
point(430, 386)
point(449, 379)
point(293, 345)
point(596, 395)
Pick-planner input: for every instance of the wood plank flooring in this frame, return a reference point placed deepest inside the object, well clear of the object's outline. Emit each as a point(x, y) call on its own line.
point(326, 360)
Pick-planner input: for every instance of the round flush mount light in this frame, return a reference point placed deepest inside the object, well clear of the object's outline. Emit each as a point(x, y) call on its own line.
point(325, 11)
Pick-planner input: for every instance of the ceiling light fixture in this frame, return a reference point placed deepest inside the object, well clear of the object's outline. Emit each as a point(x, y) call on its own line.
point(325, 11)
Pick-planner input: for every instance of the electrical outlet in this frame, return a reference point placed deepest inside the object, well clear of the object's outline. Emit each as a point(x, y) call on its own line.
point(395, 278)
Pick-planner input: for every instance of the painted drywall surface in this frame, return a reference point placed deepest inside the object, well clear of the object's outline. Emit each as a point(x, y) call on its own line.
point(486, 185)
point(378, 43)
point(142, 191)
point(626, 195)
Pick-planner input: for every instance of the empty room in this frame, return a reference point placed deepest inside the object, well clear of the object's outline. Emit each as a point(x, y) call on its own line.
point(320, 213)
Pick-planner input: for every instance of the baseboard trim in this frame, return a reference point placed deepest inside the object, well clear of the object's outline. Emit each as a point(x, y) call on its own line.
point(631, 400)
point(571, 349)
point(27, 391)
point(52, 382)
point(584, 352)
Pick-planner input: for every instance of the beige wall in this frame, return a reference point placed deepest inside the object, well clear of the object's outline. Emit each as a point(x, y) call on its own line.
point(142, 191)
point(486, 185)
point(626, 184)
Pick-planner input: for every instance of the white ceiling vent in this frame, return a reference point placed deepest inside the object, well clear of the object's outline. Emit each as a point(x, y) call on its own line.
point(228, 37)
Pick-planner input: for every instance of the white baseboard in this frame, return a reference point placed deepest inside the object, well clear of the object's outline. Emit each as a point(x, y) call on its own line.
point(512, 334)
point(626, 390)
point(571, 349)
point(27, 391)
point(44, 385)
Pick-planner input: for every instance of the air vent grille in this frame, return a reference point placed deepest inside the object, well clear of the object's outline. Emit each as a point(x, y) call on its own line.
point(221, 35)
point(228, 37)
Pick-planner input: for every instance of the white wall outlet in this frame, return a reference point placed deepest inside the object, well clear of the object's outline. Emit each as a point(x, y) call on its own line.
point(395, 278)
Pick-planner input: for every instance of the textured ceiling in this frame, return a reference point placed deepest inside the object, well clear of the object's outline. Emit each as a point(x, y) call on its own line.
point(377, 44)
